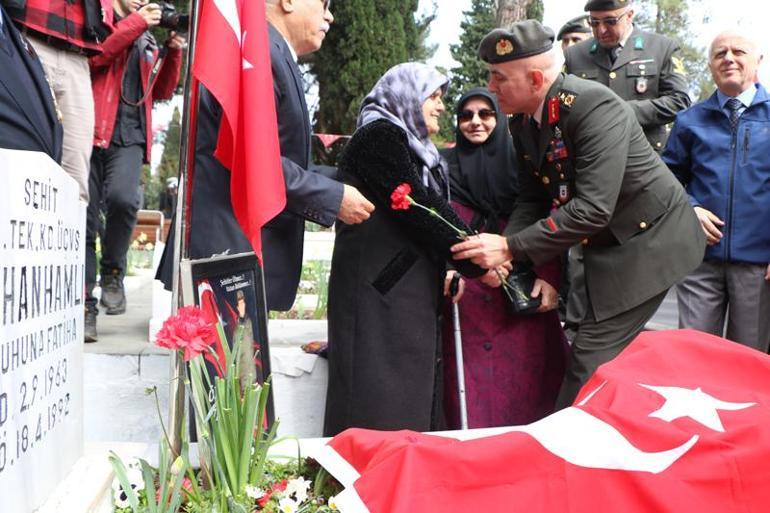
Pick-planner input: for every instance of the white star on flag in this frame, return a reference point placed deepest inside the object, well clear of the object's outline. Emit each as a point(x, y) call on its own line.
point(696, 404)
point(229, 12)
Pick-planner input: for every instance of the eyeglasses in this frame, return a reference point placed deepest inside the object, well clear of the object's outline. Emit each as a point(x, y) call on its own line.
point(610, 21)
point(327, 4)
point(484, 115)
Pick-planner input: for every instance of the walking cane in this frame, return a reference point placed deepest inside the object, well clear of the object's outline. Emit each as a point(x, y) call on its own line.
point(453, 288)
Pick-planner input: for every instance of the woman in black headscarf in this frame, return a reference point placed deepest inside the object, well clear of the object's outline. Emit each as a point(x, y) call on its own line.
point(514, 364)
point(387, 276)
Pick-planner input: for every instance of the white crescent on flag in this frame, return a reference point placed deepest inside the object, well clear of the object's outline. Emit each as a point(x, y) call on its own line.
point(229, 11)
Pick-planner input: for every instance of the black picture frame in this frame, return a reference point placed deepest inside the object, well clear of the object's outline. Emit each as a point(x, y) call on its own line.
point(230, 279)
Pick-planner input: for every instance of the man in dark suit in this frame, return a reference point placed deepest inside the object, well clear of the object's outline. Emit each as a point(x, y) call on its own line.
point(28, 118)
point(587, 174)
point(642, 68)
point(296, 28)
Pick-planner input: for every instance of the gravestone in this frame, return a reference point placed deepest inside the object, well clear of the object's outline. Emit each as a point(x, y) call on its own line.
point(42, 255)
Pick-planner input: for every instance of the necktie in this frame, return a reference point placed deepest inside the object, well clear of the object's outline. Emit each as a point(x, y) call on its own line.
point(614, 53)
point(733, 104)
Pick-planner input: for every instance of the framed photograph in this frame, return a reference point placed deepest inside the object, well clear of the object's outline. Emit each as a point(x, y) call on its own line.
point(231, 289)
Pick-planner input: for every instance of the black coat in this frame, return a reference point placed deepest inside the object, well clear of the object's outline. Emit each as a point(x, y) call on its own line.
point(385, 293)
point(311, 191)
point(28, 119)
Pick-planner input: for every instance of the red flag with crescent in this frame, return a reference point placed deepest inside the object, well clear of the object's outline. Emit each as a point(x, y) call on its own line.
point(679, 422)
point(232, 59)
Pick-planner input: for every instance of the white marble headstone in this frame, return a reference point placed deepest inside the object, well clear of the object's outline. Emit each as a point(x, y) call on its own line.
point(42, 261)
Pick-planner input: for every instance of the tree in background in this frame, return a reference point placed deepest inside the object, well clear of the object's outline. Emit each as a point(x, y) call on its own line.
point(670, 18)
point(169, 159)
point(470, 71)
point(169, 163)
point(367, 38)
point(510, 11)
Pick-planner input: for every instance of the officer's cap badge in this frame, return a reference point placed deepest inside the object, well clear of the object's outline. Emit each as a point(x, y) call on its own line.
point(504, 47)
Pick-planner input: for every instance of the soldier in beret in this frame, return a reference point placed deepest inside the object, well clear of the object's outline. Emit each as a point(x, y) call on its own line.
point(644, 69)
point(587, 175)
point(574, 31)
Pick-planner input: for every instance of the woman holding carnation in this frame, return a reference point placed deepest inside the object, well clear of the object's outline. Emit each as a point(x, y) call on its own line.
point(514, 363)
point(388, 274)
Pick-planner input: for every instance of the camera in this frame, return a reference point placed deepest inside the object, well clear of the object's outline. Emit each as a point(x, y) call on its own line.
point(172, 20)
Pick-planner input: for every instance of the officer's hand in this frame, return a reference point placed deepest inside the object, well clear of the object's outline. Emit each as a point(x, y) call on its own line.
point(151, 14)
point(355, 208)
point(709, 223)
point(176, 41)
point(460, 286)
point(549, 298)
point(487, 250)
point(767, 274)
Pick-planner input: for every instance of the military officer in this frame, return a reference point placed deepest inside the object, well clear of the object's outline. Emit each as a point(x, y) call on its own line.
point(587, 174)
point(574, 31)
point(642, 68)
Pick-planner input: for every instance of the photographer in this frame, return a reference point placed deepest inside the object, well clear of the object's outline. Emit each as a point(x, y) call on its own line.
point(127, 77)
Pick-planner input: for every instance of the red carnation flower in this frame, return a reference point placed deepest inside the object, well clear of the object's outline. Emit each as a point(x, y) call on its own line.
point(400, 197)
point(188, 330)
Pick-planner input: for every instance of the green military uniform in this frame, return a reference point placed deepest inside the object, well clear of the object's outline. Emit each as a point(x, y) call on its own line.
point(587, 175)
point(648, 73)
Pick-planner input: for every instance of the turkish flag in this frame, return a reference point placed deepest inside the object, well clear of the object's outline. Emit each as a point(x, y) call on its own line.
point(679, 422)
point(232, 60)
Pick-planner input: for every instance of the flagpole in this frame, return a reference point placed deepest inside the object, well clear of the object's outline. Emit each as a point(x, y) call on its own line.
point(181, 230)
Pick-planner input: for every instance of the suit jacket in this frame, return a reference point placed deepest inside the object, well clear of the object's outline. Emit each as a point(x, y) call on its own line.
point(311, 191)
point(28, 119)
point(590, 159)
point(648, 74)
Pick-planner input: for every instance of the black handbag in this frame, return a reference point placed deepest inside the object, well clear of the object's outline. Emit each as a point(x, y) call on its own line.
point(517, 289)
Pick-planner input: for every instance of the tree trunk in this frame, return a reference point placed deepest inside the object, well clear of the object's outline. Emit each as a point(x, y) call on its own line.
point(510, 11)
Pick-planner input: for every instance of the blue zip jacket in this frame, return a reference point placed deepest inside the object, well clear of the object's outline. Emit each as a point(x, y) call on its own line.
point(726, 173)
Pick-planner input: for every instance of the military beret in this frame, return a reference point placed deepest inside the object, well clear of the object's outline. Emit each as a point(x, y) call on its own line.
point(575, 25)
point(522, 39)
point(606, 5)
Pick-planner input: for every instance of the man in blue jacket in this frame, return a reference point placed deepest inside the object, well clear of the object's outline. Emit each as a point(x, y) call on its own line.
point(718, 150)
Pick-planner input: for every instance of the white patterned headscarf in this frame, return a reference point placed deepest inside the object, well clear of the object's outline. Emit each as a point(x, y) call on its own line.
point(398, 97)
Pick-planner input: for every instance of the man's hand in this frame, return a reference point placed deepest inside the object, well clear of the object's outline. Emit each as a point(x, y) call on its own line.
point(549, 298)
point(709, 223)
point(486, 250)
point(767, 274)
point(176, 41)
point(460, 286)
point(151, 14)
point(355, 208)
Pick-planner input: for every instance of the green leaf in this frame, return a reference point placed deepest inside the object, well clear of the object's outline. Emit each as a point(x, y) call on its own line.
point(121, 473)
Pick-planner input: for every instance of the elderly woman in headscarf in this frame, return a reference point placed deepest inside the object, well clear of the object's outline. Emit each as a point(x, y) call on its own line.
point(514, 363)
point(388, 274)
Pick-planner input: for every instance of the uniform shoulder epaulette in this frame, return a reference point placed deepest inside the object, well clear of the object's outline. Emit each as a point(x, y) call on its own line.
point(567, 98)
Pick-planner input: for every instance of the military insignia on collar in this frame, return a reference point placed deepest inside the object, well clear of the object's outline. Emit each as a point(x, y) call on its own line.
point(567, 98)
point(504, 47)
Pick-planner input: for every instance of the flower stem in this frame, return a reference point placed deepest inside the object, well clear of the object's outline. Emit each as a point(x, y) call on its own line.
point(432, 212)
